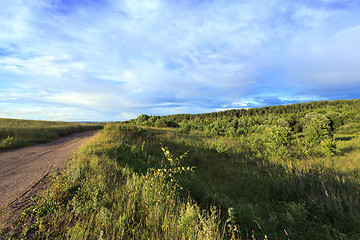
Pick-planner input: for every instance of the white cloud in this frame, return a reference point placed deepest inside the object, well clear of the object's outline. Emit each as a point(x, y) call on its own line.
point(168, 57)
point(332, 62)
point(77, 99)
point(43, 112)
point(42, 66)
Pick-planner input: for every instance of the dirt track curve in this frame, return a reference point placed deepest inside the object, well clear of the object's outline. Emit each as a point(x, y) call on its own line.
point(23, 171)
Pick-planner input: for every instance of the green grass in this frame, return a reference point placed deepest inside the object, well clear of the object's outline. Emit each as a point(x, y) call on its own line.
point(111, 190)
point(121, 186)
point(311, 197)
point(18, 133)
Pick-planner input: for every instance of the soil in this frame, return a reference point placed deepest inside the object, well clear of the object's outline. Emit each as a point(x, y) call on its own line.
point(24, 173)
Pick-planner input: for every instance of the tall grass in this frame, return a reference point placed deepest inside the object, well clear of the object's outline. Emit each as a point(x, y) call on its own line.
point(102, 196)
point(122, 186)
point(17, 133)
point(311, 197)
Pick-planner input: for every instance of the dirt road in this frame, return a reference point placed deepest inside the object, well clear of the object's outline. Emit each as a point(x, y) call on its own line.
point(22, 170)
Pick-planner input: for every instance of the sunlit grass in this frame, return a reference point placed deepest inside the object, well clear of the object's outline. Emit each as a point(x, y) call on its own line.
point(17, 133)
point(111, 190)
point(119, 187)
point(301, 194)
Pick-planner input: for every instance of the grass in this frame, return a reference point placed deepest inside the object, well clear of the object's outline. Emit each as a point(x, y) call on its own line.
point(18, 133)
point(102, 196)
point(122, 186)
point(311, 197)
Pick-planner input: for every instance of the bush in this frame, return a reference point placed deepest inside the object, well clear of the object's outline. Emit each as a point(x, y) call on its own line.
point(160, 123)
point(7, 142)
point(316, 127)
point(328, 147)
point(172, 124)
point(142, 118)
point(278, 140)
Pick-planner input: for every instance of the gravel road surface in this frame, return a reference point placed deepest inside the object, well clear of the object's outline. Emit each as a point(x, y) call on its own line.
point(24, 169)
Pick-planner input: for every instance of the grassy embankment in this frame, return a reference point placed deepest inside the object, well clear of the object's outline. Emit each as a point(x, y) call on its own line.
point(19, 133)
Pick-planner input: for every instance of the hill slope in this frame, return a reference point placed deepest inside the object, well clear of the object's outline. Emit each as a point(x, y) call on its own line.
point(283, 173)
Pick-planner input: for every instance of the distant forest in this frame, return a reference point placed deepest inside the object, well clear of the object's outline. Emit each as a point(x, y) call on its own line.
point(309, 123)
point(239, 121)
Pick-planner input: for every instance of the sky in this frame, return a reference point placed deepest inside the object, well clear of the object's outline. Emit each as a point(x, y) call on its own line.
point(112, 60)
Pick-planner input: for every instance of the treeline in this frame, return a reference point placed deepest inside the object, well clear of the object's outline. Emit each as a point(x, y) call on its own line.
point(336, 105)
point(349, 110)
point(307, 127)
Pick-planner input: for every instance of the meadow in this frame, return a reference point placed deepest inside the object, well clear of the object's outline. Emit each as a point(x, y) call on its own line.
point(19, 133)
point(101, 196)
point(283, 172)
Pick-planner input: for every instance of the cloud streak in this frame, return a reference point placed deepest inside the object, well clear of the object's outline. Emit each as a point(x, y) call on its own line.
point(108, 60)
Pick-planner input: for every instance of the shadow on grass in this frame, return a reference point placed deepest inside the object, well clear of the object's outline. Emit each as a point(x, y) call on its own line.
point(314, 204)
point(347, 138)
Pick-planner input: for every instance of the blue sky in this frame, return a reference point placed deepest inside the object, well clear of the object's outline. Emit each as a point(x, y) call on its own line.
point(76, 60)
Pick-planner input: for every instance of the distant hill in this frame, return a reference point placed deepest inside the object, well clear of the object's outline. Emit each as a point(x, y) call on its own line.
point(347, 110)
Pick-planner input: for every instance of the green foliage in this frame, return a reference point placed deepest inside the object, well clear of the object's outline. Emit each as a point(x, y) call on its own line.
point(220, 146)
point(172, 124)
point(151, 121)
point(336, 120)
point(174, 161)
point(231, 225)
point(316, 128)
point(185, 127)
point(234, 123)
point(350, 128)
point(278, 140)
point(7, 142)
point(160, 123)
point(328, 147)
point(142, 119)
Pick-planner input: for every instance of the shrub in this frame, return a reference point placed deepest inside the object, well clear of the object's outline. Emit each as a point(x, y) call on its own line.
point(160, 123)
point(278, 140)
point(316, 127)
point(142, 118)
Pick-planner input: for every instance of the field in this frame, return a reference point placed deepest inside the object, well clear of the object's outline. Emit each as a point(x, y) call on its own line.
point(284, 172)
point(18, 133)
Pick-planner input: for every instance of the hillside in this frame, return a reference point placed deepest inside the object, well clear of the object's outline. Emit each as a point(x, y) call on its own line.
point(282, 172)
point(236, 122)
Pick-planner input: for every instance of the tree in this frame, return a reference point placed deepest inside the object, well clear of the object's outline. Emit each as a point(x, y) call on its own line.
point(160, 122)
point(278, 140)
point(336, 120)
point(316, 127)
point(142, 118)
point(317, 130)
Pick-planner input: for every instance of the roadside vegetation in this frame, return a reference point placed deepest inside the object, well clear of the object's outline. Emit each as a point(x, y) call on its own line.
point(19, 133)
point(114, 189)
point(282, 172)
